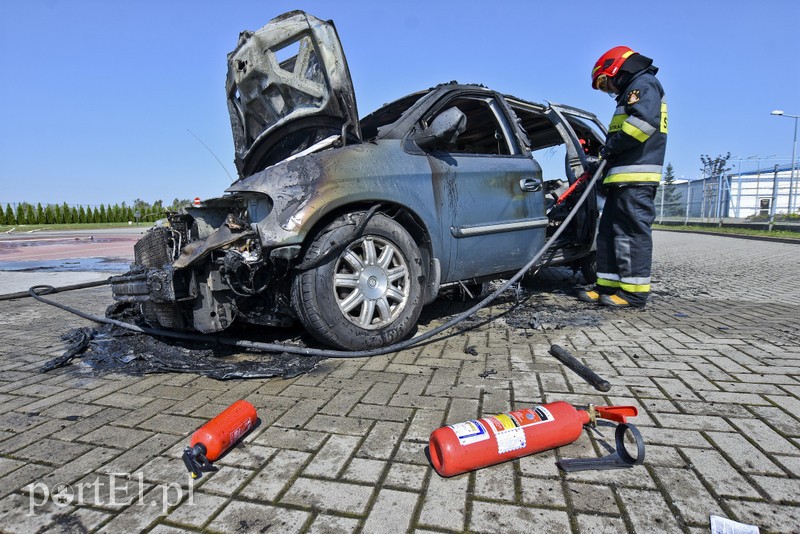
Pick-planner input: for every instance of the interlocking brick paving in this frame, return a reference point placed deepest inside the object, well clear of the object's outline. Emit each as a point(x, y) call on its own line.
point(713, 364)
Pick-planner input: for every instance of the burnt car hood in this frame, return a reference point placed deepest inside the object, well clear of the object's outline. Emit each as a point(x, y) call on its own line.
point(288, 89)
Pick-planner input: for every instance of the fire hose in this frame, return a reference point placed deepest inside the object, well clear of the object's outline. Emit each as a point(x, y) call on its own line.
point(37, 291)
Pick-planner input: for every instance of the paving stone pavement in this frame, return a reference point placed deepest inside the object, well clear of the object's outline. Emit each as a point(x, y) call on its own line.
point(713, 364)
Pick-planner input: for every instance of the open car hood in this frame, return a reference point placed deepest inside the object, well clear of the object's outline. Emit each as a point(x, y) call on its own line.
point(288, 88)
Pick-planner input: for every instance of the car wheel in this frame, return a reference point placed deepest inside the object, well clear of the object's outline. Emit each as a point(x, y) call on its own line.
point(368, 295)
point(588, 266)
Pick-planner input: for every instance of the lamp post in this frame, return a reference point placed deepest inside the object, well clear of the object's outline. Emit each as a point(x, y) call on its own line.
point(780, 113)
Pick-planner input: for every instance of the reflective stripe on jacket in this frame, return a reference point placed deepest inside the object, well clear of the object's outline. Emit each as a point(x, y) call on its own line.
point(637, 135)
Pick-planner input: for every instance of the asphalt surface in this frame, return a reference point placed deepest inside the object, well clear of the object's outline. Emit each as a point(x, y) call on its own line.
point(712, 363)
point(64, 258)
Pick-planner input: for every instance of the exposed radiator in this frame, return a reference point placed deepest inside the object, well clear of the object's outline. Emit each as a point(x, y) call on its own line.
point(154, 249)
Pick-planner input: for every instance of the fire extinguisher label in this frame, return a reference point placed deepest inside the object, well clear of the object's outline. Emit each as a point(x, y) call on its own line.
point(510, 440)
point(240, 431)
point(470, 432)
point(510, 428)
point(503, 422)
point(543, 413)
point(527, 416)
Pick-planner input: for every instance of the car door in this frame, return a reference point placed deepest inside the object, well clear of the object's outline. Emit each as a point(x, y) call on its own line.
point(568, 121)
point(488, 190)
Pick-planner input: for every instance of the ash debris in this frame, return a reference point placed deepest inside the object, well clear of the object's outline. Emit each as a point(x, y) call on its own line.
point(543, 302)
point(110, 349)
point(534, 314)
point(547, 302)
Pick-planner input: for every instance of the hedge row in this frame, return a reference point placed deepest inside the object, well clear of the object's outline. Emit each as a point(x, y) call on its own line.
point(26, 213)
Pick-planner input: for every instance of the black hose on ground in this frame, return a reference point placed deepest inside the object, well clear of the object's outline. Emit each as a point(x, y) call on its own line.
point(328, 353)
point(60, 289)
point(583, 371)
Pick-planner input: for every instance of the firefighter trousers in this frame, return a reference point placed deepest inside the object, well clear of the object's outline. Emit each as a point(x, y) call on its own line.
point(625, 242)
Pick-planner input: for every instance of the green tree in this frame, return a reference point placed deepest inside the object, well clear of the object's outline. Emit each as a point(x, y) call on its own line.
point(2, 217)
point(177, 204)
point(157, 211)
point(671, 198)
point(73, 214)
point(49, 216)
point(58, 218)
point(66, 214)
point(39, 214)
point(22, 213)
point(81, 215)
point(103, 216)
point(10, 219)
point(142, 208)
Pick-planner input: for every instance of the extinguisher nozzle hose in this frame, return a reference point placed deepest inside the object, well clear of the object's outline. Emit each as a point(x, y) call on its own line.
point(194, 458)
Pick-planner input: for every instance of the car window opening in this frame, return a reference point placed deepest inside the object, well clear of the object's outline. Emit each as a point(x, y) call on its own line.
point(483, 134)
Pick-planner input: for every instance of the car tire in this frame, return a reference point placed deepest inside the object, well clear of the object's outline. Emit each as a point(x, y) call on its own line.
point(588, 267)
point(367, 295)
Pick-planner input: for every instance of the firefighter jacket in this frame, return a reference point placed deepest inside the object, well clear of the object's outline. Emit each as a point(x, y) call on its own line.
point(637, 136)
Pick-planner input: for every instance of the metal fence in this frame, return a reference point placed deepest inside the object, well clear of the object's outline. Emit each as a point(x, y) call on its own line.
point(764, 195)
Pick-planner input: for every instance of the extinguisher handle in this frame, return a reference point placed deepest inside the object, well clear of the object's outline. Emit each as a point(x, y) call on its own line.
point(619, 459)
point(194, 458)
point(618, 414)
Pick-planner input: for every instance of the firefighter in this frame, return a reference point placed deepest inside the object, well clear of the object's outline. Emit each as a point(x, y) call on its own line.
point(634, 151)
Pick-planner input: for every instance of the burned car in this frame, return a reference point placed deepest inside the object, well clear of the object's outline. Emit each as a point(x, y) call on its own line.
point(352, 226)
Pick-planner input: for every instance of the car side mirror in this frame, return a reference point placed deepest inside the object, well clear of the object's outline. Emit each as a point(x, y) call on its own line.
point(443, 131)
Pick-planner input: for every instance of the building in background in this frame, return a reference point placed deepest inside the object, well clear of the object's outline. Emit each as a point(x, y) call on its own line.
point(733, 196)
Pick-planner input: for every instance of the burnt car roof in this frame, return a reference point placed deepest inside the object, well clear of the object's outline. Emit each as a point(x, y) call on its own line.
point(381, 122)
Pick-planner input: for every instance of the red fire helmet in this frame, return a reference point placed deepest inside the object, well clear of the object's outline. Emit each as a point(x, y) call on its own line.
point(608, 65)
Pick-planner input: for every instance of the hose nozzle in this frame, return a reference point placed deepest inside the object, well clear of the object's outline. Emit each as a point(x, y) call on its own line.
point(195, 460)
point(618, 414)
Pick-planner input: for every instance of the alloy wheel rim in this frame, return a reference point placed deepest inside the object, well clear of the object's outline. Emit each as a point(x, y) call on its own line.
point(371, 282)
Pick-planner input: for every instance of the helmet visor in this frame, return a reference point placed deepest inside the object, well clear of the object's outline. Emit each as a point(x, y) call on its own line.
point(605, 83)
point(601, 83)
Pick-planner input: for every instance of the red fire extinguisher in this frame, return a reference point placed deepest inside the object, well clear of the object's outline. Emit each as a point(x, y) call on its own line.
point(470, 445)
point(212, 439)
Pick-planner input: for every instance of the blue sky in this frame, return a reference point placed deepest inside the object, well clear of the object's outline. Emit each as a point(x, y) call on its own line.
point(97, 97)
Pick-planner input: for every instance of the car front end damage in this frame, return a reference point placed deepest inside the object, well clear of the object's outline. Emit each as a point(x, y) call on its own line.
point(206, 267)
point(289, 94)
